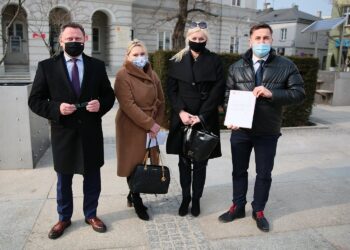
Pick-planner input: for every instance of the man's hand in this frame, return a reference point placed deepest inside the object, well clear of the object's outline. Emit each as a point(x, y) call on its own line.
point(232, 127)
point(262, 91)
point(93, 106)
point(67, 109)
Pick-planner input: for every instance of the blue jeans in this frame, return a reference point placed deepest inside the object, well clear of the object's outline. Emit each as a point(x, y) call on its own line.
point(264, 146)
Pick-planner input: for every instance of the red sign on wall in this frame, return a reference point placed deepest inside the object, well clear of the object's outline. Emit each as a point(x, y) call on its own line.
point(39, 35)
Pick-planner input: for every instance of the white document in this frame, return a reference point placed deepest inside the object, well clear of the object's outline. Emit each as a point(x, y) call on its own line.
point(161, 138)
point(240, 109)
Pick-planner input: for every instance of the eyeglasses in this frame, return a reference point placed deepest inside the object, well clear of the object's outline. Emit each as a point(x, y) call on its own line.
point(202, 25)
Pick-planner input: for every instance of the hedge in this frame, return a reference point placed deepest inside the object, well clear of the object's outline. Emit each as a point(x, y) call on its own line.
point(295, 115)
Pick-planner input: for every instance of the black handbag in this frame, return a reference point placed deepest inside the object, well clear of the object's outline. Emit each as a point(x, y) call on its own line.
point(198, 144)
point(150, 178)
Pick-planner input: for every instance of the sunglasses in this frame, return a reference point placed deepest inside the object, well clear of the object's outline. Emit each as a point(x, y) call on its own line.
point(202, 25)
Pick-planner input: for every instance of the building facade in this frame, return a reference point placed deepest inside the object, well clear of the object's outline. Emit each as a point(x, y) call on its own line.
point(228, 24)
point(34, 34)
point(341, 8)
point(109, 25)
point(288, 40)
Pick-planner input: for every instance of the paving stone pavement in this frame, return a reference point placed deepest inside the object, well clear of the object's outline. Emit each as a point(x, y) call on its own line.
point(308, 205)
point(166, 231)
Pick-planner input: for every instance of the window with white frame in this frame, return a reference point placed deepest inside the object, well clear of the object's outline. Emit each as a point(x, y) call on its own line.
point(313, 36)
point(16, 36)
point(95, 39)
point(283, 34)
point(164, 40)
point(236, 2)
point(234, 44)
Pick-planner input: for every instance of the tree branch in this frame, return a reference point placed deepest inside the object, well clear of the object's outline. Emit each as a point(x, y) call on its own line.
point(202, 11)
point(6, 37)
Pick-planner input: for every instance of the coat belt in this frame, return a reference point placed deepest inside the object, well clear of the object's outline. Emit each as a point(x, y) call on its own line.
point(153, 108)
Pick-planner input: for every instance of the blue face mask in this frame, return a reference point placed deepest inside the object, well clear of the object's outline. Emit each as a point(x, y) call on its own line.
point(261, 50)
point(140, 61)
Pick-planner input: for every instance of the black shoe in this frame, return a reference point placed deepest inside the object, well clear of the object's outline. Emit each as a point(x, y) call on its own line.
point(233, 213)
point(195, 209)
point(130, 203)
point(183, 210)
point(261, 221)
point(140, 209)
point(129, 200)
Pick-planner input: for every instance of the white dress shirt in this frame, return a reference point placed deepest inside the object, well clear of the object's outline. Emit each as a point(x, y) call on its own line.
point(80, 64)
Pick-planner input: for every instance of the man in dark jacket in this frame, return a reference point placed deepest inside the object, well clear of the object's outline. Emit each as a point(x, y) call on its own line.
point(73, 92)
point(275, 81)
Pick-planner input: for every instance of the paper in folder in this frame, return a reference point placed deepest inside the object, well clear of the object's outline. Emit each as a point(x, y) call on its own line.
point(240, 109)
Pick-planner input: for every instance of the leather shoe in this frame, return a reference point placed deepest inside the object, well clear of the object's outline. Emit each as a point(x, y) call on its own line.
point(233, 213)
point(58, 229)
point(261, 221)
point(96, 224)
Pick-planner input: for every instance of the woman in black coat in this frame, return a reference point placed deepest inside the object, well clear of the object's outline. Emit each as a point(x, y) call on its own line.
point(195, 88)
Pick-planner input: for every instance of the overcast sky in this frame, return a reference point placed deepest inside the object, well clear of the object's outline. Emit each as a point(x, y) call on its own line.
point(308, 6)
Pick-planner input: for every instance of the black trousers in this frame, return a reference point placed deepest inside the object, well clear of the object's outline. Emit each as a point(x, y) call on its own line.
point(195, 177)
point(242, 144)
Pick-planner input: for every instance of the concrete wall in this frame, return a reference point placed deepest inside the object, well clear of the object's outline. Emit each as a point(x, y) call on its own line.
point(24, 136)
point(341, 94)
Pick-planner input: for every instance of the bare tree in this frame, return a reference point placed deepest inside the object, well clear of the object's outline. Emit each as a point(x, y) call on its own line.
point(200, 6)
point(43, 9)
point(6, 35)
point(182, 17)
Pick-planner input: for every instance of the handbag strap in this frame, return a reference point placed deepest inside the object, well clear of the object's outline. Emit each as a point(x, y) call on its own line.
point(203, 124)
point(148, 153)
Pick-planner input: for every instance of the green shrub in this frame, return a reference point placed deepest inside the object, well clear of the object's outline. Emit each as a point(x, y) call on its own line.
point(295, 115)
point(333, 63)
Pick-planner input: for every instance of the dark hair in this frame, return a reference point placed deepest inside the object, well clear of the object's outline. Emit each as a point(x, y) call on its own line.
point(259, 26)
point(74, 26)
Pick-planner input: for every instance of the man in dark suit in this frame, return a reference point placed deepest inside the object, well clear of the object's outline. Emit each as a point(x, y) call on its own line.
point(73, 92)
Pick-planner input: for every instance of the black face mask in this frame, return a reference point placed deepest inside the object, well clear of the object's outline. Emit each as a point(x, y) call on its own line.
point(197, 47)
point(74, 48)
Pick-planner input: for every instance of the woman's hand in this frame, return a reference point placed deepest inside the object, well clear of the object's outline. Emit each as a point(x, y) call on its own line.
point(195, 119)
point(154, 130)
point(185, 117)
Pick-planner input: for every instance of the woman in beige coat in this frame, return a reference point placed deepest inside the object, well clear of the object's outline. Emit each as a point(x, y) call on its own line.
point(141, 111)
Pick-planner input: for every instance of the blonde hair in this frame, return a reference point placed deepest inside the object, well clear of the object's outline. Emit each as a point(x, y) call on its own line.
point(135, 43)
point(178, 57)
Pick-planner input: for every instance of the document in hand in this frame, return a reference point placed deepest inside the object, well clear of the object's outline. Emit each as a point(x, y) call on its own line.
point(240, 109)
point(161, 138)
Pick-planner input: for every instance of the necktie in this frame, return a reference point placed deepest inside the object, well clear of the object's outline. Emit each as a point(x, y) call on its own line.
point(75, 77)
point(259, 73)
